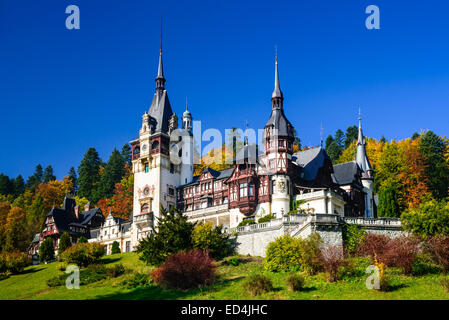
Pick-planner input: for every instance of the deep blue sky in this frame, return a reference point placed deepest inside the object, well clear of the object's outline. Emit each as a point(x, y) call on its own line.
point(63, 91)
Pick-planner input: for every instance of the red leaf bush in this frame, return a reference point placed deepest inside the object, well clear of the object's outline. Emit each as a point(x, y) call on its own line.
point(401, 252)
point(332, 259)
point(373, 243)
point(185, 270)
point(438, 247)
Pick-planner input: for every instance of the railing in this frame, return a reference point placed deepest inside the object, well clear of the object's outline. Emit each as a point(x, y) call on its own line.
point(143, 217)
point(206, 211)
point(373, 222)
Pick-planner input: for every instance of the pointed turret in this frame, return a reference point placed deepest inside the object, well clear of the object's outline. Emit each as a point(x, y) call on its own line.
point(160, 80)
point(277, 96)
point(361, 157)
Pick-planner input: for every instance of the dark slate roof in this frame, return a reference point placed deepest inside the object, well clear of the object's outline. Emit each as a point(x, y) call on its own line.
point(280, 122)
point(222, 174)
point(310, 161)
point(126, 227)
point(160, 112)
point(345, 173)
point(86, 216)
point(62, 219)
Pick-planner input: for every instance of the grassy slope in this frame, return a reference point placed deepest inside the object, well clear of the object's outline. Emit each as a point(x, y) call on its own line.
point(32, 285)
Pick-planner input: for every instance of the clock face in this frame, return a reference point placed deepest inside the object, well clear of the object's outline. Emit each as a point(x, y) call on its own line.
point(146, 191)
point(144, 147)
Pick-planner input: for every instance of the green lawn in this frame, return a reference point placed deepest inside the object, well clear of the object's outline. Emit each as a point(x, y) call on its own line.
point(31, 284)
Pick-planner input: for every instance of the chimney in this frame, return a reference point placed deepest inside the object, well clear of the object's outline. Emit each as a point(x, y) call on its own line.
point(87, 207)
point(77, 209)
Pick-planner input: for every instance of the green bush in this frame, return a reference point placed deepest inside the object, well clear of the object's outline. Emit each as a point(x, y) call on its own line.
point(424, 264)
point(288, 254)
point(46, 251)
point(295, 282)
point(64, 243)
point(266, 218)
point(82, 240)
point(83, 254)
point(94, 273)
point(136, 280)
point(13, 262)
point(208, 238)
point(246, 222)
point(115, 271)
point(115, 248)
point(354, 267)
point(431, 218)
point(257, 284)
point(353, 236)
point(233, 261)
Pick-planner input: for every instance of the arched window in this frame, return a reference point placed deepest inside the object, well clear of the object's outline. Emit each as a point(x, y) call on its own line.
point(145, 208)
point(136, 150)
point(155, 145)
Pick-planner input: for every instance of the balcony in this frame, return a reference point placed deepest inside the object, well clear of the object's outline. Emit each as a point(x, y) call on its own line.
point(143, 220)
point(204, 212)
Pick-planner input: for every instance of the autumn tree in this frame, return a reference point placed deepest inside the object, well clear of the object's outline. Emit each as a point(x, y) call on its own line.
point(15, 237)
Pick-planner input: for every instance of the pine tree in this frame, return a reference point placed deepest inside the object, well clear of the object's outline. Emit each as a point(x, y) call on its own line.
point(6, 186)
point(173, 234)
point(351, 135)
point(74, 179)
point(89, 174)
point(340, 139)
point(434, 148)
point(334, 151)
point(115, 248)
point(329, 140)
point(48, 174)
point(46, 251)
point(34, 180)
point(64, 243)
point(388, 202)
point(113, 173)
point(19, 185)
point(126, 153)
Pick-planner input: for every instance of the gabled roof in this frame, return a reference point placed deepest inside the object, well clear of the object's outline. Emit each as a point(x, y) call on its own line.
point(280, 122)
point(310, 161)
point(345, 173)
point(86, 216)
point(217, 175)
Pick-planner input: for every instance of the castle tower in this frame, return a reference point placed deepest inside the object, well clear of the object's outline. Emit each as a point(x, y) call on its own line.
point(362, 161)
point(155, 176)
point(278, 141)
point(187, 149)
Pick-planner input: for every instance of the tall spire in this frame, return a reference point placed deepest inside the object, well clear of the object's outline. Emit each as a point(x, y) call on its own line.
point(277, 93)
point(160, 80)
point(361, 157)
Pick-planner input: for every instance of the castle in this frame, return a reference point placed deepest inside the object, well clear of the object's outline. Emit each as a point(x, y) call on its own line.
point(275, 181)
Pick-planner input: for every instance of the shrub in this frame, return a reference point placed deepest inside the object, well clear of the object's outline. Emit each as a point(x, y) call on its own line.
point(332, 259)
point(62, 266)
point(234, 261)
point(355, 267)
point(115, 248)
point(445, 284)
point(82, 239)
point(373, 244)
point(401, 252)
point(431, 218)
point(13, 262)
point(83, 254)
point(295, 282)
point(266, 218)
point(438, 247)
point(137, 279)
point(64, 243)
point(94, 273)
point(46, 251)
point(287, 253)
point(258, 284)
point(115, 271)
point(246, 222)
point(353, 237)
point(185, 270)
point(206, 237)
point(424, 264)
point(172, 234)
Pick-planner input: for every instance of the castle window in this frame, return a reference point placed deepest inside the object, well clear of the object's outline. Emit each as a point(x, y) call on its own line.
point(171, 191)
point(225, 200)
point(251, 189)
point(136, 150)
point(155, 145)
point(243, 190)
point(172, 168)
point(145, 208)
point(147, 167)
